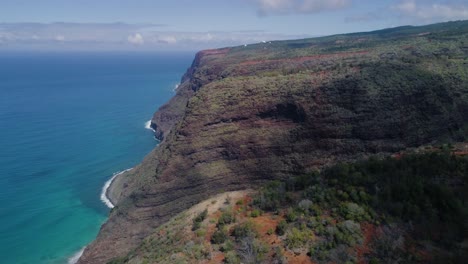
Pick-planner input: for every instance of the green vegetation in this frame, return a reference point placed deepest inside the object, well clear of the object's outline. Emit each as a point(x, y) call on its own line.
point(298, 238)
point(255, 213)
point(420, 196)
point(411, 209)
point(219, 236)
point(259, 116)
point(244, 230)
point(227, 217)
point(199, 219)
point(281, 228)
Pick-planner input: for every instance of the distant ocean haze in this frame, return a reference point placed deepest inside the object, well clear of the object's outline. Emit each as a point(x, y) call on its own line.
point(68, 122)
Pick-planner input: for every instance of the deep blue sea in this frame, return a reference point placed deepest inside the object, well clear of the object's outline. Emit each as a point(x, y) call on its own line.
point(68, 122)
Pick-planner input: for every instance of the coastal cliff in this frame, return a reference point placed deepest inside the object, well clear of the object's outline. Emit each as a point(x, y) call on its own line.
point(246, 115)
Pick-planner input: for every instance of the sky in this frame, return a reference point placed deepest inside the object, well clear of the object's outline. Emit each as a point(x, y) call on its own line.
point(201, 24)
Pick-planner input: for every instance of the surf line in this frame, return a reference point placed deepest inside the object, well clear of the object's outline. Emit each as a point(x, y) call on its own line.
point(148, 126)
point(74, 259)
point(104, 198)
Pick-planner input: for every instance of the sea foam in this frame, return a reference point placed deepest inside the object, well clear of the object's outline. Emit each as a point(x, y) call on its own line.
point(104, 197)
point(176, 87)
point(148, 126)
point(74, 259)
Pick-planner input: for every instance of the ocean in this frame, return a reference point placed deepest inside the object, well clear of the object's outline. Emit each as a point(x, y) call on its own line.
point(68, 122)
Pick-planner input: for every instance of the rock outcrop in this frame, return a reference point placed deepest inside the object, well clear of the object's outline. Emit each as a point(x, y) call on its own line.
point(246, 115)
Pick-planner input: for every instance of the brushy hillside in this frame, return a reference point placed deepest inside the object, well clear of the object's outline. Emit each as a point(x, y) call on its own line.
point(405, 209)
point(247, 115)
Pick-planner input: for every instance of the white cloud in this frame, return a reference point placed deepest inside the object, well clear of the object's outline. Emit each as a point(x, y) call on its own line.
point(166, 39)
point(136, 39)
point(311, 6)
point(274, 5)
point(59, 38)
point(123, 37)
point(202, 37)
point(408, 6)
point(268, 7)
point(6, 36)
point(429, 12)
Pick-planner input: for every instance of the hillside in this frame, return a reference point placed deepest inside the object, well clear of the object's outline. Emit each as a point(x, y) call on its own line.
point(247, 115)
point(410, 208)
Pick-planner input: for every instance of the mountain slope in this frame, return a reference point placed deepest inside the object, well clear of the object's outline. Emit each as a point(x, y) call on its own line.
point(246, 115)
point(359, 212)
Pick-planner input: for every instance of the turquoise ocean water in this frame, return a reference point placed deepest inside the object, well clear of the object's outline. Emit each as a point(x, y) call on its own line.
point(68, 122)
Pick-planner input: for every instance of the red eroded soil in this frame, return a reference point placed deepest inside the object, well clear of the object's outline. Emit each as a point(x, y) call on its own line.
point(306, 58)
point(210, 229)
point(265, 223)
point(245, 201)
point(215, 51)
point(368, 231)
point(297, 259)
point(217, 257)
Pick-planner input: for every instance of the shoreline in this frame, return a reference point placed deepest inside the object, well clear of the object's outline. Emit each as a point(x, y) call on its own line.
point(74, 259)
point(148, 126)
point(107, 188)
point(176, 87)
point(106, 193)
point(106, 198)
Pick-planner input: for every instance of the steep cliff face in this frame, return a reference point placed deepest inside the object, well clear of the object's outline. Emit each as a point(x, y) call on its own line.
point(246, 115)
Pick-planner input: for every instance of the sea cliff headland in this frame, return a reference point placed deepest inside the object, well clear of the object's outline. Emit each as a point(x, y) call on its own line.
point(244, 116)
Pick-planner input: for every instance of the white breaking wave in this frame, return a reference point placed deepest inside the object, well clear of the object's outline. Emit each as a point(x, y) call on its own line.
point(74, 259)
point(176, 87)
point(104, 197)
point(148, 126)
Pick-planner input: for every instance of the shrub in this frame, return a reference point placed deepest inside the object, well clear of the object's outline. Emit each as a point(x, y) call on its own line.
point(198, 219)
point(251, 250)
point(305, 205)
point(278, 257)
point(270, 231)
point(244, 230)
point(315, 210)
point(226, 218)
point(352, 211)
point(196, 225)
point(297, 238)
point(200, 232)
point(255, 213)
point(271, 197)
point(227, 246)
point(199, 252)
point(342, 254)
point(231, 258)
point(281, 228)
point(202, 216)
point(291, 215)
point(219, 236)
point(349, 232)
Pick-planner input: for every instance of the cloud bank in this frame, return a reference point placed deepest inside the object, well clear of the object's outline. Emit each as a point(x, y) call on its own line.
point(430, 11)
point(119, 36)
point(414, 12)
point(136, 39)
point(275, 7)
